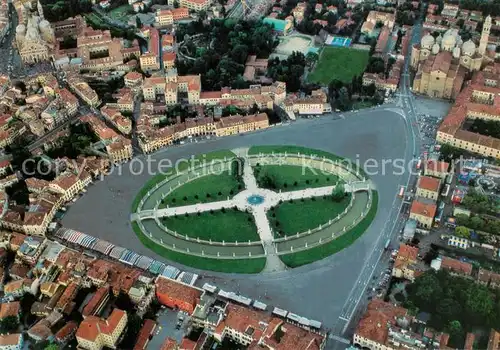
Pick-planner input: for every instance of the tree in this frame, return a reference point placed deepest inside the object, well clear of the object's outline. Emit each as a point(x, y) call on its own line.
point(9, 324)
point(338, 193)
point(52, 346)
point(138, 22)
point(454, 328)
point(311, 58)
point(176, 4)
point(462, 231)
point(343, 101)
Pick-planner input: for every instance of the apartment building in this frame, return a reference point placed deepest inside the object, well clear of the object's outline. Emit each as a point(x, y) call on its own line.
point(386, 327)
point(488, 278)
point(314, 104)
point(177, 295)
point(150, 59)
point(436, 169)
point(120, 151)
point(404, 266)
point(123, 124)
point(83, 90)
point(95, 333)
point(254, 328)
point(195, 5)
point(423, 213)
point(237, 124)
point(133, 80)
point(165, 18)
point(478, 100)
point(428, 187)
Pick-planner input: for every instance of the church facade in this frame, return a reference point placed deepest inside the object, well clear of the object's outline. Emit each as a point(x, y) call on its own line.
point(34, 35)
point(442, 63)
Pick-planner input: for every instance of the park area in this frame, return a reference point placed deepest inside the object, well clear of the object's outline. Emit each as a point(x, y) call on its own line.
point(226, 225)
point(121, 13)
point(289, 218)
point(341, 63)
point(209, 188)
point(292, 178)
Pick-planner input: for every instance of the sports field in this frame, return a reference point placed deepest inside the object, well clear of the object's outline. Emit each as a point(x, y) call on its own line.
point(340, 63)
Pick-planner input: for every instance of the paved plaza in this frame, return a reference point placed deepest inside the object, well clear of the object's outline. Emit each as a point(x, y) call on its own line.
point(318, 290)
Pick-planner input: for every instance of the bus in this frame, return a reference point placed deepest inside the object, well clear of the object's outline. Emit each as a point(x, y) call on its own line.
point(446, 191)
point(439, 215)
point(402, 191)
point(387, 243)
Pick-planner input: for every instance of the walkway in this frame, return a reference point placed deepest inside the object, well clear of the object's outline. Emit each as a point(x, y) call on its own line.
point(259, 211)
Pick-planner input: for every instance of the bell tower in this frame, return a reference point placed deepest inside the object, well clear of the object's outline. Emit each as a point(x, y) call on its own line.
point(485, 35)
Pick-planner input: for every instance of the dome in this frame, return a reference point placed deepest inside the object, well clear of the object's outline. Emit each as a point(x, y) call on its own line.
point(32, 31)
point(449, 40)
point(435, 49)
point(439, 39)
point(469, 48)
point(44, 24)
point(21, 29)
point(456, 52)
point(427, 41)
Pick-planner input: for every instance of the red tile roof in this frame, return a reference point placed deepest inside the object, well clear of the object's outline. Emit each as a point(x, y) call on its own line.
point(92, 326)
point(441, 167)
point(9, 339)
point(374, 323)
point(423, 209)
point(10, 309)
point(144, 334)
point(169, 344)
point(408, 252)
point(175, 294)
point(456, 265)
point(429, 183)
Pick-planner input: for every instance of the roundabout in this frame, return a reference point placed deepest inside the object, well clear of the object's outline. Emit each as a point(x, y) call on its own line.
point(253, 209)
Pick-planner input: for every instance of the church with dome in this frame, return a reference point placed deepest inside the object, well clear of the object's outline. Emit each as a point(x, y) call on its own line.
point(443, 62)
point(34, 35)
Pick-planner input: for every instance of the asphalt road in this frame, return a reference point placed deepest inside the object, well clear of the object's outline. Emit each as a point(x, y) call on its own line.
point(317, 290)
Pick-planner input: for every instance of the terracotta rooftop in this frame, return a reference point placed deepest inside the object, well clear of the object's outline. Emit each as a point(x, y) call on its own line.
point(96, 299)
point(429, 183)
point(487, 276)
point(6, 341)
point(408, 252)
point(441, 167)
point(456, 265)
point(169, 344)
point(374, 323)
point(92, 326)
point(67, 330)
point(177, 290)
point(144, 334)
point(423, 209)
point(10, 309)
point(244, 320)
